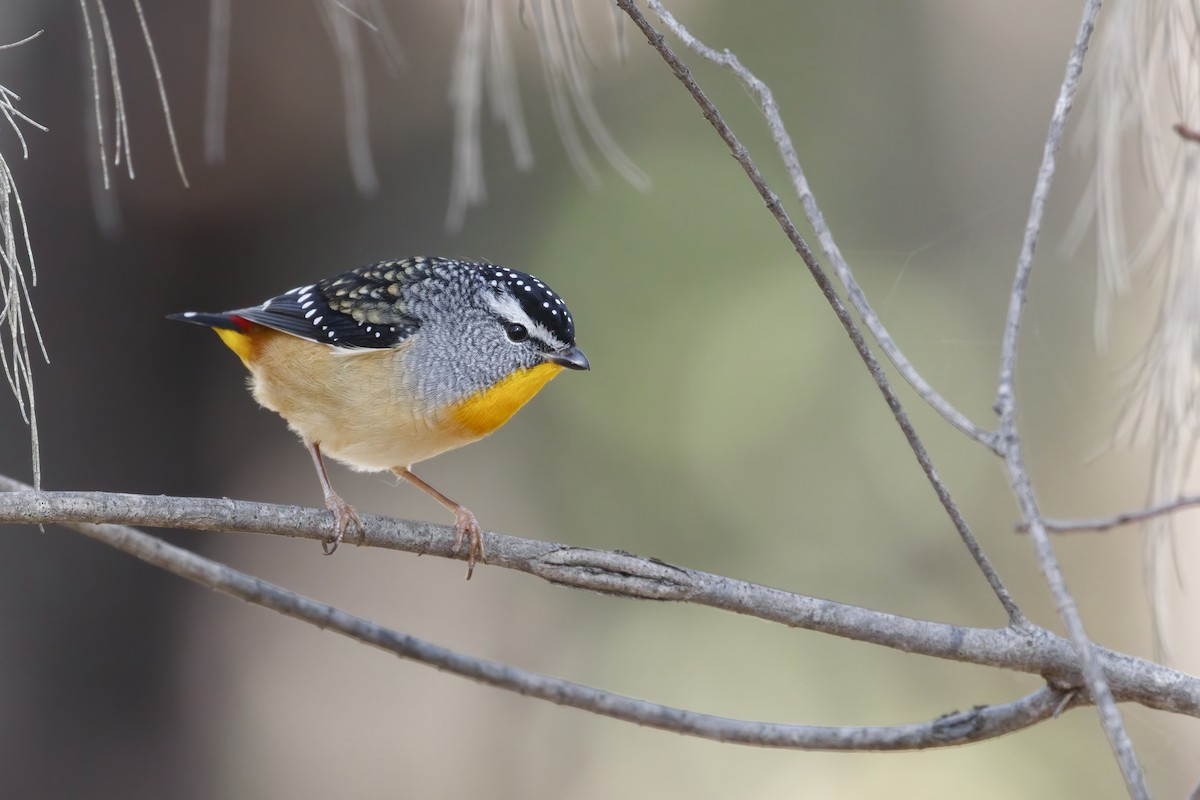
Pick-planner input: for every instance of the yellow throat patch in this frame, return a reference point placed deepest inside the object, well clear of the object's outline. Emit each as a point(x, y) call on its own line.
point(485, 411)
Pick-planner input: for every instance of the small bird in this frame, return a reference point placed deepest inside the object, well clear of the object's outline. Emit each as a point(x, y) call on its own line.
point(392, 363)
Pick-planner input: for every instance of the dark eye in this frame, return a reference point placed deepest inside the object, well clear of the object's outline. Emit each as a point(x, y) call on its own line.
point(516, 332)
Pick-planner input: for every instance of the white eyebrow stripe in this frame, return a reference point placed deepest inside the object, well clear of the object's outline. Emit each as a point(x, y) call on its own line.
point(508, 308)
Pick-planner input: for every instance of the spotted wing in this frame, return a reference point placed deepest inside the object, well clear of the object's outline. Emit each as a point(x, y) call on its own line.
point(363, 308)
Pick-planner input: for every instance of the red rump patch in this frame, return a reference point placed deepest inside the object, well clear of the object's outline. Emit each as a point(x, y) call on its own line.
point(241, 322)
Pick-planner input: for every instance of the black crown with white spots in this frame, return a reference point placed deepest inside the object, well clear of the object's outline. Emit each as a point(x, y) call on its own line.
point(536, 298)
point(368, 307)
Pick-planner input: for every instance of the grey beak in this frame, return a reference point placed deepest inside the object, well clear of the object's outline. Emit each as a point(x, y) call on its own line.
point(571, 358)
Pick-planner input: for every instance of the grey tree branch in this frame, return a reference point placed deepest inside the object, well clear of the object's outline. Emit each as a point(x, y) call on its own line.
point(1006, 441)
point(1031, 650)
point(1006, 407)
point(960, 727)
point(739, 152)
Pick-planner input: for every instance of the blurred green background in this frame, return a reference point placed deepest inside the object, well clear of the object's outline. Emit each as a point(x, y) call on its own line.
point(727, 424)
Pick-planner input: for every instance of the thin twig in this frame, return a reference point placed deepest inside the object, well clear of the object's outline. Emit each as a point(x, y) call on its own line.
point(17, 316)
point(20, 42)
point(120, 118)
point(1116, 520)
point(1016, 618)
point(976, 724)
point(91, 42)
point(1006, 407)
point(162, 90)
point(1030, 650)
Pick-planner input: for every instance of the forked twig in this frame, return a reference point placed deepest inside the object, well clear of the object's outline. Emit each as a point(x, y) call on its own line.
point(739, 152)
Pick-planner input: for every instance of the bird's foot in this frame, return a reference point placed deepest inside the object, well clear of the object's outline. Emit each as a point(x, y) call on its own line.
point(467, 527)
point(343, 515)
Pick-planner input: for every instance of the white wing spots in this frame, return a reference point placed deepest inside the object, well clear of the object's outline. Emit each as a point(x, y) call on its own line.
point(266, 304)
point(545, 305)
point(308, 314)
point(189, 314)
point(528, 288)
point(378, 334)
point(317, 321)
point(307, 304)
point(330, 334)
point(555, 312)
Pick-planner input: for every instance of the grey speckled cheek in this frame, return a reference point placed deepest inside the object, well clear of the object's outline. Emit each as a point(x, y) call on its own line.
point(441, 371)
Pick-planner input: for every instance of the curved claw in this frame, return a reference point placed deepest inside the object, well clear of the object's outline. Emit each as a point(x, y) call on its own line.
point(466, 526)
point(343, 515)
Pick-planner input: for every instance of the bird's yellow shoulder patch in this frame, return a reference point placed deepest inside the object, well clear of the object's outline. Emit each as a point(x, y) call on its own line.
point(484, 412)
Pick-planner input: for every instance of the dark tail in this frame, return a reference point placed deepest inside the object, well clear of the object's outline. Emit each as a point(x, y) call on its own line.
point(230, 321)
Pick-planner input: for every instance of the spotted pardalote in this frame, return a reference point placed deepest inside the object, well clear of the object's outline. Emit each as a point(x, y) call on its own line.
point(390, 364)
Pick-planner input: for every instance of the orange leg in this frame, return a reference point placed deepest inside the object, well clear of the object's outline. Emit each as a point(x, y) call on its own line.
point(465, 524)
point(343, 513)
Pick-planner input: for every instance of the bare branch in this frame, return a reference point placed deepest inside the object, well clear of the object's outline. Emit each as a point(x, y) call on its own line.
point(824, 284)
point(1006, 407)
point(977, 724)
point(1030, 650)
point(1116, 520)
